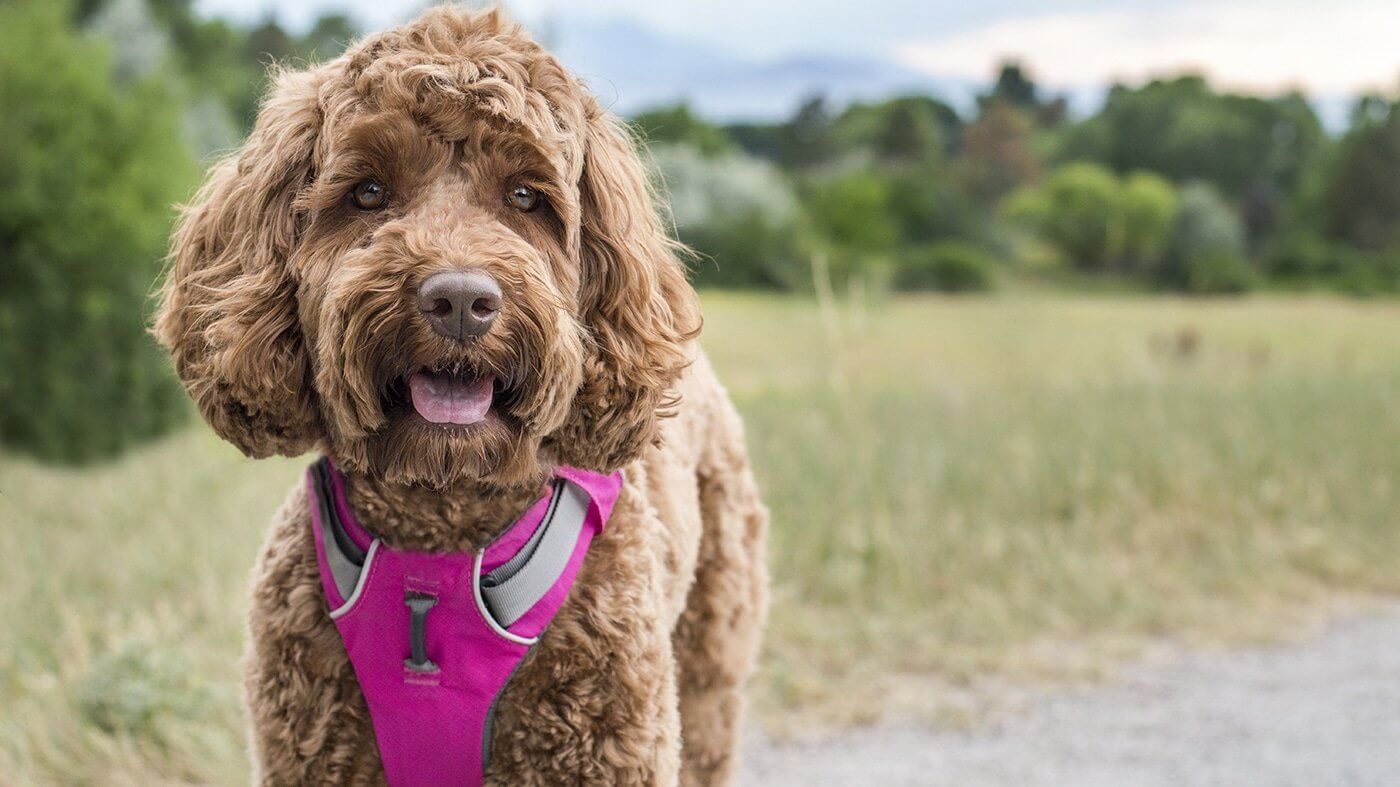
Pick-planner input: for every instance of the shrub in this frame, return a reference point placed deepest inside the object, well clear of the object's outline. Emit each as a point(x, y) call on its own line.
point(1302, 257)
point(853, 209)
point(1206, 249)
point(1148, 204)
point(1219, 273)
point(853, 212)
point(1081, 214)
point(950, 266)
point(753, 250)
point(738, 213)
point(927, 206)
point(1369, 273)
point(1096, 220)
point(92, 168)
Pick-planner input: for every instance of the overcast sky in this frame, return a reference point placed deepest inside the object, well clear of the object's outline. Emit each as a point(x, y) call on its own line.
point(1338, 46)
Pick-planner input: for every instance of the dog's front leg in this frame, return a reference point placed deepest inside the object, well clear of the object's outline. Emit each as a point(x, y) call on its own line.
point(309, 722)
point(595, 701)
point(717, 637)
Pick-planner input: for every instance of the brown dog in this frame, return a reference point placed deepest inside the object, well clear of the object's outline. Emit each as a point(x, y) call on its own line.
point(445, 203)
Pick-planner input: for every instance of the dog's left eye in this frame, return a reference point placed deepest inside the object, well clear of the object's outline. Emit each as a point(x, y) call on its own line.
point(369, 195)
point(523, 198)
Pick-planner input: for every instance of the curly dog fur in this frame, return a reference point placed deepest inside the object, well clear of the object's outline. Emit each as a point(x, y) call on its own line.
point(291, 318)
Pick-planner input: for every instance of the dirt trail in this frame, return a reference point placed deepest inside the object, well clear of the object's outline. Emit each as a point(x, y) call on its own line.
point(1322, 711)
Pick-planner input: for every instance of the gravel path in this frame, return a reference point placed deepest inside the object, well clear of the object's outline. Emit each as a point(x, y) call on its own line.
point(1325, 711)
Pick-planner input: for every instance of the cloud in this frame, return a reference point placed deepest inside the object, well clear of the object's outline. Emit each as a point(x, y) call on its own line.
point(1327, 47)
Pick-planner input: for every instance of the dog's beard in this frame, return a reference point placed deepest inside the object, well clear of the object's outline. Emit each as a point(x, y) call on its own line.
point(410, 450)
point(452, 421)
point(441, 413)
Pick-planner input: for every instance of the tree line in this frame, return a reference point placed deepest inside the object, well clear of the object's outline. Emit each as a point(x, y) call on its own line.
point(1170, 185)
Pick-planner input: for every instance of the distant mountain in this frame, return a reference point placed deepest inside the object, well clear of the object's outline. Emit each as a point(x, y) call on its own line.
point(634, 67)
point(637, 67)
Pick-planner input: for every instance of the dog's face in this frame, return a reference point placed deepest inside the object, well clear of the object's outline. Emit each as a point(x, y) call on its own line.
point(438, 257)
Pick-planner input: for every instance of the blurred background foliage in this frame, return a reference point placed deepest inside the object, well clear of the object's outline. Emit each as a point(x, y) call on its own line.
point(94, 157)
point(110, 106)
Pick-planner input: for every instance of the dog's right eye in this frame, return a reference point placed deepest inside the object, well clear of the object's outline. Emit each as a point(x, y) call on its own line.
point(369, 195)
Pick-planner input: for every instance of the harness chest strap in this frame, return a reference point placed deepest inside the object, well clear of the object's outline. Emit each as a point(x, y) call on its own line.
point(435, 638)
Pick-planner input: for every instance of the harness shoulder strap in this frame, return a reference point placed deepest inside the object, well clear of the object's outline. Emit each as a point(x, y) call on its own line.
point(513, 588)
point(344, 557)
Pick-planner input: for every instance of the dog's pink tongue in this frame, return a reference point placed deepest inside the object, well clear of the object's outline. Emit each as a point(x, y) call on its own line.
point(445, 399)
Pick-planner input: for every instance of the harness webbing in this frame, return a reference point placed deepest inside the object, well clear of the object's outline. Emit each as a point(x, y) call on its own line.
point(511, 589)
point(515, 587)
point(344, 556)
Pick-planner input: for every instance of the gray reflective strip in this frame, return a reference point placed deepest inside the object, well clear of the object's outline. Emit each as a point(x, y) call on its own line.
point(514, 588)
point(345, 573)
point(509, 568)
point(345, 568)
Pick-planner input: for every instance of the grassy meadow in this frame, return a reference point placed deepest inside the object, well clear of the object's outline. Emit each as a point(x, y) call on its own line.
point(1015, 488)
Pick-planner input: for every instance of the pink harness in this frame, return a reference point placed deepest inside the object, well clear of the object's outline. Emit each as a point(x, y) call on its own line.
point(435, 638)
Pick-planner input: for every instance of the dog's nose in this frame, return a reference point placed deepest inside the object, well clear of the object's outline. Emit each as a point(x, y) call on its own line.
point(460, 303)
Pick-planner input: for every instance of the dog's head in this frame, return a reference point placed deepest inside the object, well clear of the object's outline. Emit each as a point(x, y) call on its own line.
point(437, 256)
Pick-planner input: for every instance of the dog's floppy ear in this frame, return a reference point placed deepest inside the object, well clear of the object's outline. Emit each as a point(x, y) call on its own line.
point(228, 310)
point(635, 303)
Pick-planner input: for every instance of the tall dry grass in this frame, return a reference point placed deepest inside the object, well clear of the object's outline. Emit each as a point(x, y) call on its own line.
point(1021, 487)
point(1029, 485)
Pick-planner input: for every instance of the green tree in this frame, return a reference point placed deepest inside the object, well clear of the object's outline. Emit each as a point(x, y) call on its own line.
point(997, 155)
point(907, 131)
point(1252, 150)
point(1361, 195)
point(1257, 152)
point(1371, 109)
point(764, 140)
point(906, 142)
point(268, 43)
point(1014, 86)
point(679, 125)
point(93, 167)
point(327, 38)
point(852, 212)
point(807, 140)
point(228, 63)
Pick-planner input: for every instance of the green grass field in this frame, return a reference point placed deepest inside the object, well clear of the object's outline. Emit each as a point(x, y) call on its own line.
point(1023, 487)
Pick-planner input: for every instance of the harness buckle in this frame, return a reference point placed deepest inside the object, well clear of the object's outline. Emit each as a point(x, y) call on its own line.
point(418, 606)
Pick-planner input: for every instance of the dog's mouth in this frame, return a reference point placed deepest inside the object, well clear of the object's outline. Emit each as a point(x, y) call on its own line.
point(450, 396)
point(443, 397)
